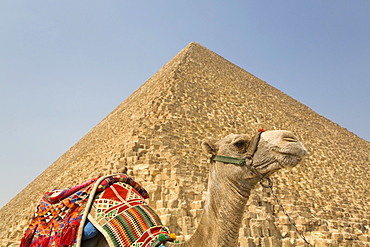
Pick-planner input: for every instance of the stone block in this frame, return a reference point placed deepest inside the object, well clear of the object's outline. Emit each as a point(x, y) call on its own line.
point(160, 204)
point(286, 242)
point(256, 228)
point(284, 220)
point(172, 203)
point(349, 236)
point(244, 242)
point(364, 238)
point(337, 236)
point(196, 213)
point(197, 205)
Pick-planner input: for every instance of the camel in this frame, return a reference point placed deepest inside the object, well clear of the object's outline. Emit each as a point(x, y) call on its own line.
point(230, 185)
point(238, 163)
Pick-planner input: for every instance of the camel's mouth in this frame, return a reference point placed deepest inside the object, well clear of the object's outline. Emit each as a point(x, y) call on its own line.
point(289, 159)
point(282, 160)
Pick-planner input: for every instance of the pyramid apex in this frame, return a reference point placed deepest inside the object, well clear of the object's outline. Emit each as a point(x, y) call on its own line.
point(193, 46)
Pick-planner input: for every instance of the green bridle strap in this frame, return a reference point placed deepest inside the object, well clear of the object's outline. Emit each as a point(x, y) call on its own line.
point(249, 155)
point(227, 159)
point(240, 162)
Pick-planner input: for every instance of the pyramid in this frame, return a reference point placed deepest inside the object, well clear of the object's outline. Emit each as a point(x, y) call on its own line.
point(156, 133)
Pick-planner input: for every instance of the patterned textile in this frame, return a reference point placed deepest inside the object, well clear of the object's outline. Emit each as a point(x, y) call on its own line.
point(124, 218)
point(59, 213)
point(58, 195)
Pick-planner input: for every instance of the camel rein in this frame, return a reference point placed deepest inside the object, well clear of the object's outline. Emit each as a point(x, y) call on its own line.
point(265, 182)
point(269, 186)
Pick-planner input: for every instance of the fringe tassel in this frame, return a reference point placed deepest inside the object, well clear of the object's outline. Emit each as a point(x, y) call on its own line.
point(26, 240)
point(68, 237)
point(45, 242)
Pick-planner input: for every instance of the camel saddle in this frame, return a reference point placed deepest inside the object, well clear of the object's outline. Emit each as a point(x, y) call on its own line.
point(115, 205)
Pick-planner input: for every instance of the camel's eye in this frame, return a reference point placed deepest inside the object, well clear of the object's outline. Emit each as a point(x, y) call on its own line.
point(240, 145)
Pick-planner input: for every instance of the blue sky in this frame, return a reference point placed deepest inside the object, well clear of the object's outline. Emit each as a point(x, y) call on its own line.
point(65, 65)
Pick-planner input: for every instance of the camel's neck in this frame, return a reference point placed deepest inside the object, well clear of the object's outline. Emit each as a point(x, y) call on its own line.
point(222, 215)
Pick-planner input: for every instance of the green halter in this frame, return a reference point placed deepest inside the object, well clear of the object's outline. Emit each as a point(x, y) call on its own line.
point(249, 155)
point(227, 159)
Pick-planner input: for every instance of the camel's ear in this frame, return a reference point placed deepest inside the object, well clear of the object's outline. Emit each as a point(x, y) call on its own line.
point(208, 146)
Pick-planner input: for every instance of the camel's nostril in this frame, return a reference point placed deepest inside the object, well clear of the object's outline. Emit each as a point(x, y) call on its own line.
point(290, 139)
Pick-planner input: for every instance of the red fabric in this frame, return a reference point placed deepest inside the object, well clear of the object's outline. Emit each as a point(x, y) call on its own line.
point(69, 235)
point(45, 242)
point(26, 240)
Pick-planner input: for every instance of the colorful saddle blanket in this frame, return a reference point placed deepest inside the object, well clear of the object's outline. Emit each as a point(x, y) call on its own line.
point(124, 218)
point(119, 212)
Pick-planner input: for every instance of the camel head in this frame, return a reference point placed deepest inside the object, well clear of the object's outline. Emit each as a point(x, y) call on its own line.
point(247, 160)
